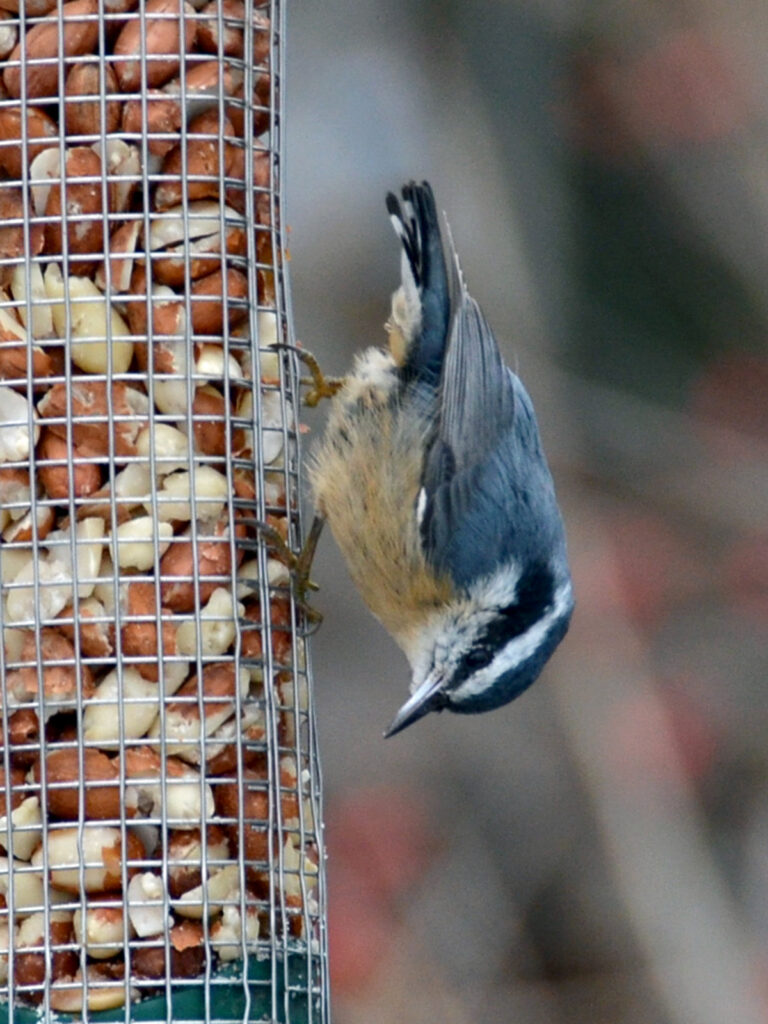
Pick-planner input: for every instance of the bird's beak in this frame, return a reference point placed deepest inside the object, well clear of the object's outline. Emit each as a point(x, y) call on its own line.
point(430, 696)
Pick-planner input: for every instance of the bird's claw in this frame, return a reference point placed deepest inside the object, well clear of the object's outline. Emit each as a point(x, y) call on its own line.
point(299, 565)
point(319, 386)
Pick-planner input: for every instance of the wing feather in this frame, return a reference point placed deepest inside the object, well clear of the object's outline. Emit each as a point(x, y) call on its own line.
point(498, 508)
point(487, 484)
point(486, 497)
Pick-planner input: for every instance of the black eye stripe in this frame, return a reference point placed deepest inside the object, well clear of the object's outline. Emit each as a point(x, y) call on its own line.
point(535, 593)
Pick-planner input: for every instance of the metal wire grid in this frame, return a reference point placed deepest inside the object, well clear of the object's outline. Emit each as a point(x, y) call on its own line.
point(147, 428)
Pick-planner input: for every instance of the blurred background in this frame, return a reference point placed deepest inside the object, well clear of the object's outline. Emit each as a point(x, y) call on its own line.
point(598, 850)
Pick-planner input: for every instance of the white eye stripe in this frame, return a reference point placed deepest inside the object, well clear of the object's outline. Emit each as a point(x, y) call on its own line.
point(516, 651)
point(497, 590)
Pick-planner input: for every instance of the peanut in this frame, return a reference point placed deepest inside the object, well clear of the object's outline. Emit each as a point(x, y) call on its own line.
point(42, 46)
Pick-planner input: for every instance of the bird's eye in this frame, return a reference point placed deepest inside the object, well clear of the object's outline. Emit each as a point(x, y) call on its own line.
point(478, 657)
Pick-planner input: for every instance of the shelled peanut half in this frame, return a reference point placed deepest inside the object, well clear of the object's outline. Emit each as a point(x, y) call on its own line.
point(153, 800)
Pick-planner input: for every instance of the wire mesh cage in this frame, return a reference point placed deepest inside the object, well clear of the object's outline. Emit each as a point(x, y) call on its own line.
point(160, 799)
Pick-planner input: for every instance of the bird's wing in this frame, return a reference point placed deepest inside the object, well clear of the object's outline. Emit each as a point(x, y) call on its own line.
point(487, 489)
point(492, 503)
point(477, 398)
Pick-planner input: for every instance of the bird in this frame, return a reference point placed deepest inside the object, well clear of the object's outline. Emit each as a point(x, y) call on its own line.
point(433, 480)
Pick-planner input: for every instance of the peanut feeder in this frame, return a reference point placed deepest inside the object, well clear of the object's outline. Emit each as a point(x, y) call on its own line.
point(160, 855)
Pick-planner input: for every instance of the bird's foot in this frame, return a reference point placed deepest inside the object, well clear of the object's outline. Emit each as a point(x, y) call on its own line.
point(319, 386)
point(299, 565)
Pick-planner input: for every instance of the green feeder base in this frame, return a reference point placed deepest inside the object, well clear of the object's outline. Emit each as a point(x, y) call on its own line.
point(227, 1002)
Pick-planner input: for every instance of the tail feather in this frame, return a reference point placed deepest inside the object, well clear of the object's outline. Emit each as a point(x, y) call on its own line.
point(417, 225)
point(404, 223)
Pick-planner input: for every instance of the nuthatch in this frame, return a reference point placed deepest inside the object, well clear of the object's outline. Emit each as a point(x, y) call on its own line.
point(433, 480)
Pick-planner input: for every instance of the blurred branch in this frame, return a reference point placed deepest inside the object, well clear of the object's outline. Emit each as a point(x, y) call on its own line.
point(698, 952)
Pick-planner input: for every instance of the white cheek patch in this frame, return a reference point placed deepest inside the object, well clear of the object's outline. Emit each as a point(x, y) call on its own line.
point(448, 634)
